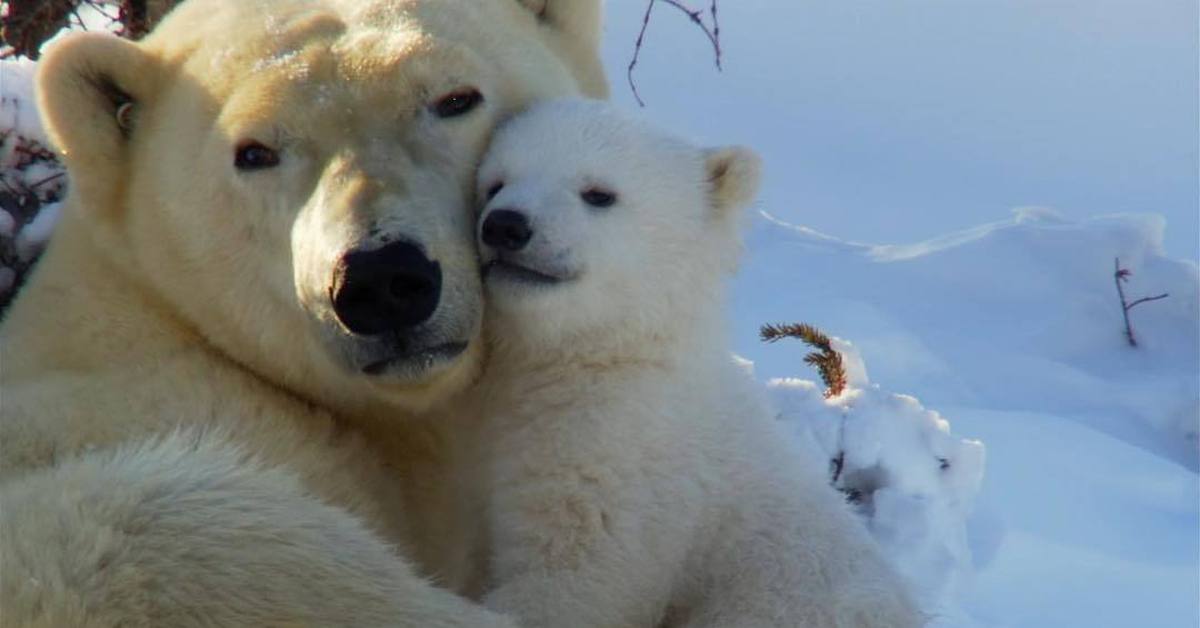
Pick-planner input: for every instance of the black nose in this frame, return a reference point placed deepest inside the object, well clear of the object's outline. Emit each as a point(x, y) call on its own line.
point(506, 229)
point(392, 288)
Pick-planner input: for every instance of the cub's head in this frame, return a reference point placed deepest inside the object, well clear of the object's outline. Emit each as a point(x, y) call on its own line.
point(596, 223)
point(294, 178)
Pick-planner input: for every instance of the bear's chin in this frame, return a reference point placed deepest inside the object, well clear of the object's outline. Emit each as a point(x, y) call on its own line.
point(416, 364)
point(404, 359)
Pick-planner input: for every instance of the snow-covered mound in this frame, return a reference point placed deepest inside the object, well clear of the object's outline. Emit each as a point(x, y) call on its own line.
point(32, 181)
point(1089, 510)
point(909, 478)
point(18, 108)
point(1015, 315)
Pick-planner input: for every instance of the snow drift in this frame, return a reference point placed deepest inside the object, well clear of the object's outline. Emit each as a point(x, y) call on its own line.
point(1088, 510)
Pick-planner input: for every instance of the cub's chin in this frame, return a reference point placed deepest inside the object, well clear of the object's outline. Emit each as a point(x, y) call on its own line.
point(504, 274)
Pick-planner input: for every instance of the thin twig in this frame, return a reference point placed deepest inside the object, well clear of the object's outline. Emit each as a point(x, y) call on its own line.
point(8, 187)
point(1145, 299)
point(637, 49)
point(836, 464)
point(45, 180)
point(1121, 275)
point(716, 31)
point(78, 18)
point(695, 16)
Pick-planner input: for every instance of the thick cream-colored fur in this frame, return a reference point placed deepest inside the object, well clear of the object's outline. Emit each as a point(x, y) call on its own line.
point(638, 479)
point(187, 435)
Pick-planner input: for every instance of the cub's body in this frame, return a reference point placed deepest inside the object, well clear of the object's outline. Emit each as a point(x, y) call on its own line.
point(637, 475)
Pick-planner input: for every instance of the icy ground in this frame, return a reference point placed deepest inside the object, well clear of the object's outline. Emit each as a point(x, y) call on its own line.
point(1088, 510)
point(921, 126)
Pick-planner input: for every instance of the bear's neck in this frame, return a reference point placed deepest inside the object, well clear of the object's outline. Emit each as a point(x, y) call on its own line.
point(83, 311)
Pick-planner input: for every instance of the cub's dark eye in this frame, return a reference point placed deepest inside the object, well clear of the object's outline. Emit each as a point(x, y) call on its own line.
point(253, 155)
point(494, 189)
point(457, 103)
point(597, 197)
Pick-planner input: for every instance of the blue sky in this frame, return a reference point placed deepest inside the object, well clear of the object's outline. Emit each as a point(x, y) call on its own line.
point(890, 121)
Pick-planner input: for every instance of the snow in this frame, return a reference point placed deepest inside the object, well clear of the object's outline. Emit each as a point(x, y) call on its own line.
point(1086, 513)
point(948, 185)
point(947, 188)
point(890, 121)
point(1027, 304)
point(8, 225)
point(32, 181)
point(34, 236)
point(18, 108)
point(913, 482)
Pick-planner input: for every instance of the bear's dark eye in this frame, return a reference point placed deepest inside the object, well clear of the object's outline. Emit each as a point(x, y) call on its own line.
point(252, 155)
point(494, 189)
point(457, 103)
point(597, 197)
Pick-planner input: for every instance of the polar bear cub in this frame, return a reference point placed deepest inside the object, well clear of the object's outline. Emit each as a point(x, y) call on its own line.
point(637, 477)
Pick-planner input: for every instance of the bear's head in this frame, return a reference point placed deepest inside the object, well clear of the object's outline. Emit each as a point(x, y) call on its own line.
point(598, 225)
point(293, 179)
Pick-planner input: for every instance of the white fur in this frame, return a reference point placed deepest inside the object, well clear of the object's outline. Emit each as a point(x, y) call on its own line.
point(638, 477)
point(186, 435)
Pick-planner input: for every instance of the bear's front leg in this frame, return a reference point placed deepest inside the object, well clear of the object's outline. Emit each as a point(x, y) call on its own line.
point(187, 532)
point(572, 550)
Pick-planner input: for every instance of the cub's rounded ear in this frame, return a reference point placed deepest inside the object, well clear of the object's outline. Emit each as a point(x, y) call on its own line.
point(577, 25)
point(89, 89)
point(733, 176)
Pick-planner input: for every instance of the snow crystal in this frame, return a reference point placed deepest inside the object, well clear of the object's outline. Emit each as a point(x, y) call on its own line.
point(8, 225)
point(18, 107)
point(34, 236)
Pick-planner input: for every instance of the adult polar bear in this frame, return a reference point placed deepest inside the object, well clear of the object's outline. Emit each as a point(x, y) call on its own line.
point(264, 275)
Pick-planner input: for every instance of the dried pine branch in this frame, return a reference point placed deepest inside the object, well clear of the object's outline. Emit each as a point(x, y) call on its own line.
point(826, 359)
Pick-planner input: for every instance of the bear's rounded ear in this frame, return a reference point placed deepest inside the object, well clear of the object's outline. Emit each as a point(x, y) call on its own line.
point(577, 18)
point(578, 25)
point(89, 89)
point(733, 174)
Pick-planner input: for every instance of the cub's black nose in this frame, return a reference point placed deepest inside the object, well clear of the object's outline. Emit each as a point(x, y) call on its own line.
point(389, 289)
point(506, 229)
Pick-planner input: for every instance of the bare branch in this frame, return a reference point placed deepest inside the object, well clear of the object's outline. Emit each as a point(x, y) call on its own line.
point(696, 16)
point(1121, 275)
point(134, 18)
point(1145, 299)
point(44, 180)
point(29, 23)
point(637, 49)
